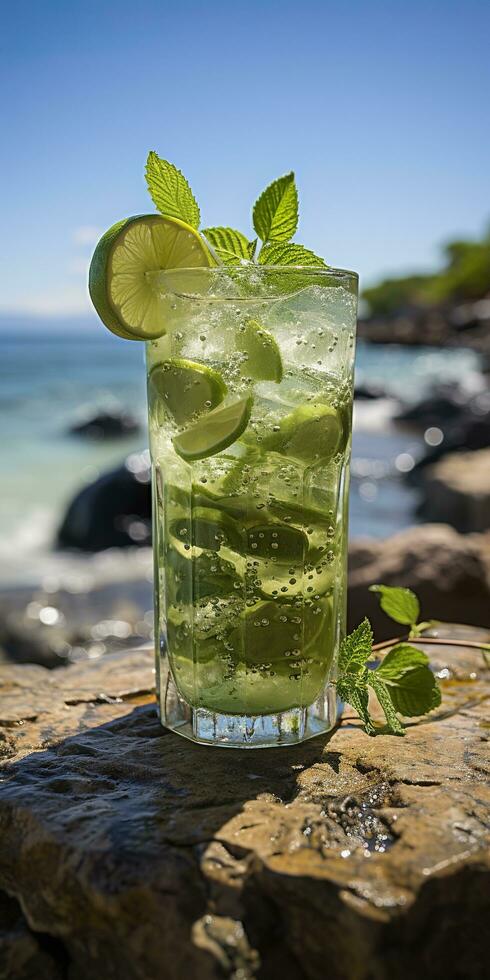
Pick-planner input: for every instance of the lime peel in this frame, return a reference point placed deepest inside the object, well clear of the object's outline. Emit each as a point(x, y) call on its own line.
point(215, 431)
point(119, 288)
point(184, 388)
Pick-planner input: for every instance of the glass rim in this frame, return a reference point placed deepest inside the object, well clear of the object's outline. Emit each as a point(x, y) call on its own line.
point(179, 282)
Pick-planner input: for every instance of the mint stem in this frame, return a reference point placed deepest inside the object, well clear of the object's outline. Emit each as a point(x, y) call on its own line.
point(469, 644)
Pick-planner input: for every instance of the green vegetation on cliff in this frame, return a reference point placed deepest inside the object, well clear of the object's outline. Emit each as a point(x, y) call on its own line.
point(465, 276)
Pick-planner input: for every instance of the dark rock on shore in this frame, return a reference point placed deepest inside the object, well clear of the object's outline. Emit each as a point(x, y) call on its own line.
point(369, 392)
point(463, 421)
point(112, 512)
point(457, 490)
point(445, 406)
point(442, 406)
point(448, 325)
point(127, 852)
point(450, 573)
point(91, 606)
point(473, 434)
point(100, 425)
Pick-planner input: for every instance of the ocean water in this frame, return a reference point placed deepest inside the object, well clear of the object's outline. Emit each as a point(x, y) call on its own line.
point(47, 381)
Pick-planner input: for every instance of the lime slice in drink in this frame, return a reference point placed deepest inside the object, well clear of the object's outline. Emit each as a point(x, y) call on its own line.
point(311, 433)
point(215, 431)
point(279, 636)
point(295, 513)
point(199, 577)
point(278, 541)
point(263, 359)
point(184, 388)
point(119, 288)
point(208, 529)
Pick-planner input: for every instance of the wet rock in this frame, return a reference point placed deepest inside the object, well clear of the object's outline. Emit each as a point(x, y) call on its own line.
point(113, 424)
point(450, 573)
point(457, 490)
point(112, 512)
point(138, 855)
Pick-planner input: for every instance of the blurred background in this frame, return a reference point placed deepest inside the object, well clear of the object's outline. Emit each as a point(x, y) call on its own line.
point(382, 111)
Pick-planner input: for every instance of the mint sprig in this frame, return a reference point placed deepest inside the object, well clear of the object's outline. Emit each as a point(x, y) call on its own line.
point(170, 191)
point(403, 682)
point(275, 217)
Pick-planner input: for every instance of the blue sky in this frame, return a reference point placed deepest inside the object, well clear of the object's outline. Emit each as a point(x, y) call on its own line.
point(381, 107)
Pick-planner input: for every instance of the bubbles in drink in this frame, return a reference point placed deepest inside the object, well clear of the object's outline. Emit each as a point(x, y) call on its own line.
point(252, 537)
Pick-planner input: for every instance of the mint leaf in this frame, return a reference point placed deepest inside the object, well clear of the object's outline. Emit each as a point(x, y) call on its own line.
point(408, 680)
point(170, 191)
point(252, 248)
point(356, 694)
point(401, 605)
point(289, 254)
point(401, 658)
point(394, 725)
point(230, 245)
point(356, 648)
point(275, 213)
point(352, 682)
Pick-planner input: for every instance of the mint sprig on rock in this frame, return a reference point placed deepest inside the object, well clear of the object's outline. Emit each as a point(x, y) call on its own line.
point(275, 218)
point(403, 682)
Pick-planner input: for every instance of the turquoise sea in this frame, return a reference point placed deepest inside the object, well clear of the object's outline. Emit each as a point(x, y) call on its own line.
point(48, 380)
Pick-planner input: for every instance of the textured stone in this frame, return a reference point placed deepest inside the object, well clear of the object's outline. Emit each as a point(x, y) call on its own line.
point(450, 573)
point(135, 854)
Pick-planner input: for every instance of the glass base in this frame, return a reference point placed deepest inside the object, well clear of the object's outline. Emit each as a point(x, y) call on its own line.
point(246, 731)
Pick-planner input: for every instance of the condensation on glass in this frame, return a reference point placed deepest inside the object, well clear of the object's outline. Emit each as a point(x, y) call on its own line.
point(250, 543)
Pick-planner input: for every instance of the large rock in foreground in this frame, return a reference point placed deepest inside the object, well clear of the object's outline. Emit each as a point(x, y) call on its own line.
point(129, 853)
point(450, 573)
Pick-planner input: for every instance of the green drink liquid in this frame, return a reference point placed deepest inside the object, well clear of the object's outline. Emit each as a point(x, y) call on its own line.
point(250, 538)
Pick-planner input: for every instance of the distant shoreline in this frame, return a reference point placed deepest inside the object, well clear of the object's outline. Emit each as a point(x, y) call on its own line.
point(432, 328)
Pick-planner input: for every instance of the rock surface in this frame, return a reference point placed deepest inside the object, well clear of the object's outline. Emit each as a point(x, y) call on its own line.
point(457, 490)
point(450, 573)
point(127, 852)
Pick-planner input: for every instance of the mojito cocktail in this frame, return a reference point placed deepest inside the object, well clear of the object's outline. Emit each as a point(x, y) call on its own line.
point(250, 352)
point(250, 399)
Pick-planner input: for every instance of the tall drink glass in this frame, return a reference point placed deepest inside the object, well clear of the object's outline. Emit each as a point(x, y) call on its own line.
point(250, 540)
